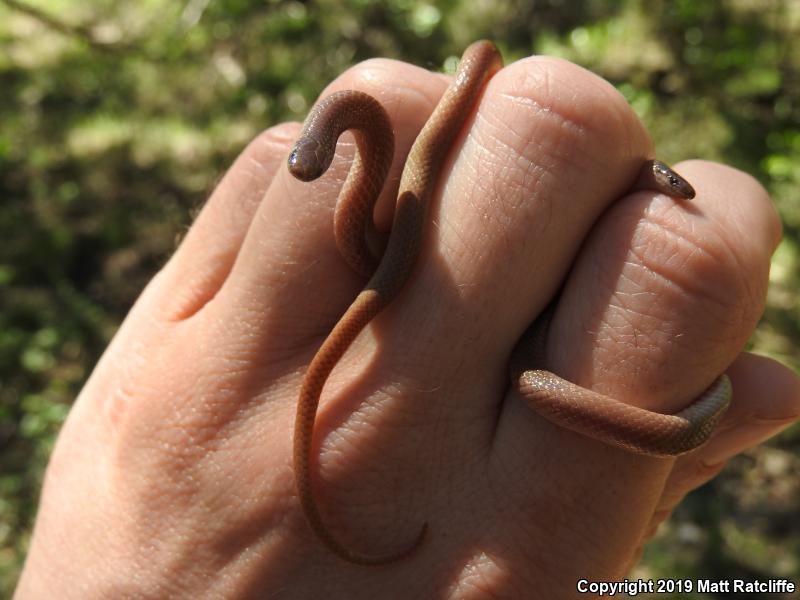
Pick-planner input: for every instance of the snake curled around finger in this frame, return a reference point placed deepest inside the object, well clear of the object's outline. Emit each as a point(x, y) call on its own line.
point(389, 264)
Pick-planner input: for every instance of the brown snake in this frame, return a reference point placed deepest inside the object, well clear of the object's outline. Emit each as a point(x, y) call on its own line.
point(564, 403)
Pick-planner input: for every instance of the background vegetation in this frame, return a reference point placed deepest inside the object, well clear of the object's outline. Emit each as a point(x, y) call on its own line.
point(117, 118)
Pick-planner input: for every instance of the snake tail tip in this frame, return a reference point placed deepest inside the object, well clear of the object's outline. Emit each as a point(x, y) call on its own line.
point(379, 561)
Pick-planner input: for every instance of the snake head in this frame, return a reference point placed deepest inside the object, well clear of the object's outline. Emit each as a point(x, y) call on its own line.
point(669, 181)
point(308, 161)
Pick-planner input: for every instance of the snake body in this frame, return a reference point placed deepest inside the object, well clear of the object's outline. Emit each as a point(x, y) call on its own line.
point(562, 402)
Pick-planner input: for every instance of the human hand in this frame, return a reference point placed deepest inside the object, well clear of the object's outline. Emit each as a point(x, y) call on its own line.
point(173, 474)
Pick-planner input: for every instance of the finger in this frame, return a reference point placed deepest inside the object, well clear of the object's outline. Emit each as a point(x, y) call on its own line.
point(289, 282)
point(206, 255)
point(766, 401)
point(194, 273)
point(665, 293)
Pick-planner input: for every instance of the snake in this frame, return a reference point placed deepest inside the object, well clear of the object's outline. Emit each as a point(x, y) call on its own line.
point(388, 263)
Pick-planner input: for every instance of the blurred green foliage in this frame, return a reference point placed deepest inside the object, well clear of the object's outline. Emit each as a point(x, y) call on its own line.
point(116, 120)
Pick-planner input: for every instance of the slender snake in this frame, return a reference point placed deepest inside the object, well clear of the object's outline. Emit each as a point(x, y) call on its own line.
point(560, 401)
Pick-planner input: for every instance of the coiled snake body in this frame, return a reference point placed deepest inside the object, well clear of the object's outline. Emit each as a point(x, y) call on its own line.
point(560, 401)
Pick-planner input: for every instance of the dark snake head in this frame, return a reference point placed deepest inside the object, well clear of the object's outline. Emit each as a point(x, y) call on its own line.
point(307, 160)
point(670, 180)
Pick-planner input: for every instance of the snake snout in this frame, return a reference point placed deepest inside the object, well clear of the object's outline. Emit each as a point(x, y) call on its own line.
point(671, 182)
point(306, 161)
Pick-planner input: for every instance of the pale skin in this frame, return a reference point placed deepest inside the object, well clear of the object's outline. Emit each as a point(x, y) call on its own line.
point(173, 475)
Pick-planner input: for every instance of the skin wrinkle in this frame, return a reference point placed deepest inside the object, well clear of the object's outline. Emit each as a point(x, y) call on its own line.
point(565, 118)
point(616, 340)
point(376, 75)
point(514, 178)
point(563, 156)
point(535, 144)
point(614, 348)
point(483, 203)
point(631, 316)
point(448, 229)
point(507, 206)
point(605, 278)
point(604, 97)
point(554, 80)
point(200, 289)
point(642, 259)
point(685, 276)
